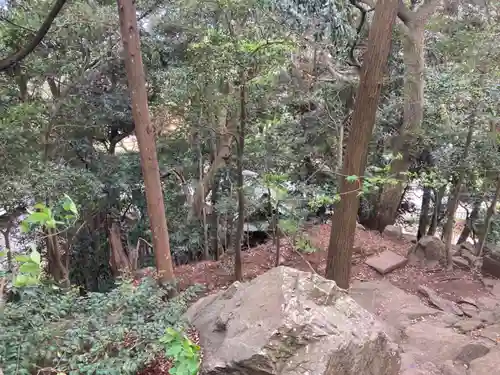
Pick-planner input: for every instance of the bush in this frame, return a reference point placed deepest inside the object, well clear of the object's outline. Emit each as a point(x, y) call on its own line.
point(113, 333)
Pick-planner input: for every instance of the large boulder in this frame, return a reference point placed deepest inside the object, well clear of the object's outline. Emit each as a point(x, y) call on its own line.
point(429, 251)
point(290, 322)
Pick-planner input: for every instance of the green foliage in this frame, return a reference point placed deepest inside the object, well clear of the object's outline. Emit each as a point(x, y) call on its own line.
point(303, 244)
point(185, 354)
point(112, 333)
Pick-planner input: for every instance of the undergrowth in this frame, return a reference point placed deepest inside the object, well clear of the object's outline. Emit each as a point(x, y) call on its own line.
point(119, 332)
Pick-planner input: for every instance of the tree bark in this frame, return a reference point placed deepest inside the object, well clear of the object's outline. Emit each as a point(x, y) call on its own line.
point(145, 139)
point(453, 200)
point(238, 272)
point(423, 221)
point(470, 222)
point(487, 220)
point(438, 198)
point(414, 60)
point(119, 260)
point(344, 218)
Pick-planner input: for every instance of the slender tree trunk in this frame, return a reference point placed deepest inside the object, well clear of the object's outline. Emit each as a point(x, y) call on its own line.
point(438, 198)
point(470, 222)
point(423, 222)
point(6, 237)
point(453, 202)
point(344, 218)
point(487, 220)
point(145, 138)
point(214, 221)
point(238, 272)
point(206, 248)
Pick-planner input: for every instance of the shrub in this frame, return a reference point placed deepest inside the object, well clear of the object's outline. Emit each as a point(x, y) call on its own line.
point(113, 333)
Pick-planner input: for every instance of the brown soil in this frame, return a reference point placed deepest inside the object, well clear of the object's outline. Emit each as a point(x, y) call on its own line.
point(217, 275)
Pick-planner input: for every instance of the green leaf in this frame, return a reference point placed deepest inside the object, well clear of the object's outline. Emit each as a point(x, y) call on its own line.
point(352, 178)
point(37, 218)
point(3, 253)
point(29, 267)
point(35, 257)
point(22, 258)
point(24, 227)
point(69, 205)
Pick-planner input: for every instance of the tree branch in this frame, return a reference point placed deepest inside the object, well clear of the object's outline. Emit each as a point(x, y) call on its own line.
point(26, 50)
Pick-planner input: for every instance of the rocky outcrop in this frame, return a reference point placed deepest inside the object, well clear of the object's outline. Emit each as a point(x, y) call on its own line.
point(290, 322)
point(429, 251)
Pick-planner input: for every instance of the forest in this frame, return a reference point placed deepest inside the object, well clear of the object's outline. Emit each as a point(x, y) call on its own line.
point(138, 137)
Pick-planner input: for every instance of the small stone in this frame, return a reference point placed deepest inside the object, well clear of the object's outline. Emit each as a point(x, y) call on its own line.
point(471, 352)
point(386, 262)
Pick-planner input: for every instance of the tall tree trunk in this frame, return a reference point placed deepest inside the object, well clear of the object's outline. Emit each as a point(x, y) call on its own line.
point(438, 198)
point(414, 60)
point(238, 272)
point(423, 221)
point(413, 56)
point(470, 222)
point(145, 138)
point(489, 215)
point(453, 200)
point(214, 221)
point(119, 260)
point(344, 218)
point(206, 248)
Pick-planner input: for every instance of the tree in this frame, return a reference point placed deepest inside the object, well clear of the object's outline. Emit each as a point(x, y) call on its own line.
point(413, 55)
point(365, 108)
point(453, 200)
point(145, 138)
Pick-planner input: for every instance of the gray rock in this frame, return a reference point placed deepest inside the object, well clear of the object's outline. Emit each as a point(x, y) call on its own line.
point(290, 322)
point(385, 262)
point(427, 342)
point(487, 365)
point(441, 303)
point(429, 251)
point(449, 368)
point(471, 351)
point(491, 265)
point(393, 231)
point(469, 325)
point(461, 262)
point(469, 310)
point(392, 305)
point(492, 332)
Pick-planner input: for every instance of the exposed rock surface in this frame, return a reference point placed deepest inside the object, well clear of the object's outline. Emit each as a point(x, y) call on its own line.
point(429, 251)
point(440, 303)
point(487, 365)
point(290, 322)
